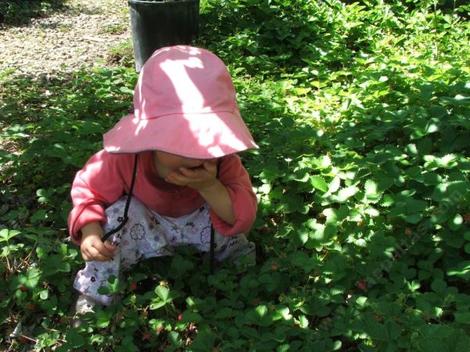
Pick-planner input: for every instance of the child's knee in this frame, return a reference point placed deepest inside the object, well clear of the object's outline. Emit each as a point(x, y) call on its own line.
point(235, 248)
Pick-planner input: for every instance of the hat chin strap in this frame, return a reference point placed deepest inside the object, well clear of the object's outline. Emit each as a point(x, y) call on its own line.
point(123, 219)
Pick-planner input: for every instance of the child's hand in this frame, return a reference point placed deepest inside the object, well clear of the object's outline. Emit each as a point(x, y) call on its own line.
point(92, 248)
point(200, 178)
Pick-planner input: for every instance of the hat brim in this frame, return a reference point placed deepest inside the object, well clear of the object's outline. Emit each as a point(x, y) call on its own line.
point(200, 136)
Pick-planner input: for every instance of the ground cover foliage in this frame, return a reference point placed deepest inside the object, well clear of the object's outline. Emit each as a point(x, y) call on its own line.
point(361, 111)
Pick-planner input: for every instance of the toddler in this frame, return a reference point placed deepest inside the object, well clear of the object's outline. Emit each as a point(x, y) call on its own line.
point(168, 175)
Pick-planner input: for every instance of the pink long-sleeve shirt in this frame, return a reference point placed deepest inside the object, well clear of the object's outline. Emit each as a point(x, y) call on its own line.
point(106, 177)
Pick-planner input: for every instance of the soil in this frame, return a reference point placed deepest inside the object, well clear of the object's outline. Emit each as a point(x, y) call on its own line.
point(80, 35)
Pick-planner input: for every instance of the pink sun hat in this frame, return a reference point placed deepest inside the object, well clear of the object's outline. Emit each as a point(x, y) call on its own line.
point(184, 104)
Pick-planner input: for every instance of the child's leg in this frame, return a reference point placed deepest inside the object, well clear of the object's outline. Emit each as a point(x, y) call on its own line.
point(235, 248)
point(138, 239)
point(195, 229)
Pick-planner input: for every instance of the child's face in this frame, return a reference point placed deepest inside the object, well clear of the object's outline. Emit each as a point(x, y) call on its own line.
point(167, 162)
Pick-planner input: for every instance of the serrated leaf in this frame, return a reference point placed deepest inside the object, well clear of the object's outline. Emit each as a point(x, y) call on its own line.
point(6, 235)
point(467, 248)
point(387, 201)
point(74, 339)
point(162, 292)
point(346, 193)
point(439, 286)
point(261, 310)
point(189, 316)
point(103, 318)
point(265, 188)
point(224, 313)
point(413, 218)
point(303, 322)
point(319, 183)
point(370, 188)
point(462, 318)
point(126, 90)
point(466, 235)
point(334, 185)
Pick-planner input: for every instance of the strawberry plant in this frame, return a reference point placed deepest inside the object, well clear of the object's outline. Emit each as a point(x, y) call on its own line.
point(361, 112)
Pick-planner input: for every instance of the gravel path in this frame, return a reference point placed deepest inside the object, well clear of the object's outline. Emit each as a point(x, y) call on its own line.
point(81, 35)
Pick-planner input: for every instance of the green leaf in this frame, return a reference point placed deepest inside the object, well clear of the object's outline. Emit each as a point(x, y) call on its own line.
point(189, 317)
point(345, 193)
point(103, 318)
point(371, 191)
point(164, 297)
point(334, 185)
point(413, 218)
point(224, 313)
point(439, 286)
point(6, 235)
point(387, 201)
point(175, 339)
point(261, 310)
point(303, 321)
point(361, 301)
point(157, 304)
point(162, 292)
point(467, 248)
point(319, 183)
point(467, 235)
point(31, 279)
point(126, 90)
point(74, 339)
point(462, 318)
point(204, 340)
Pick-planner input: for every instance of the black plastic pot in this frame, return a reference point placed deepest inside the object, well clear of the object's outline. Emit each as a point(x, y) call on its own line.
point(160, 23)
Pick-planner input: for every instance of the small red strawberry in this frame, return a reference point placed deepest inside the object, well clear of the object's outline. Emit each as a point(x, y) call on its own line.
point(362, 285)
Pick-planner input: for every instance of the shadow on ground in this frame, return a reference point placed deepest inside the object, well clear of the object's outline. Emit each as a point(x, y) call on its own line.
point(19, 12)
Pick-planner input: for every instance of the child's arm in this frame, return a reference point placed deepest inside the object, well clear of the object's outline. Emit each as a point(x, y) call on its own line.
point(219, 200)
point(98, 184)
point(230, 195)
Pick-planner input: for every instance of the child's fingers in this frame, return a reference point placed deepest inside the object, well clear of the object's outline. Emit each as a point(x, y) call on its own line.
point(97, 250)
point(194, 174)
point(94, 254)
point(104, 249)
point(110, 247)
point(97, 255)
point(211, 166)
point(188, 172)
point(177, 179)
point(200, 173)
point(91, 253)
